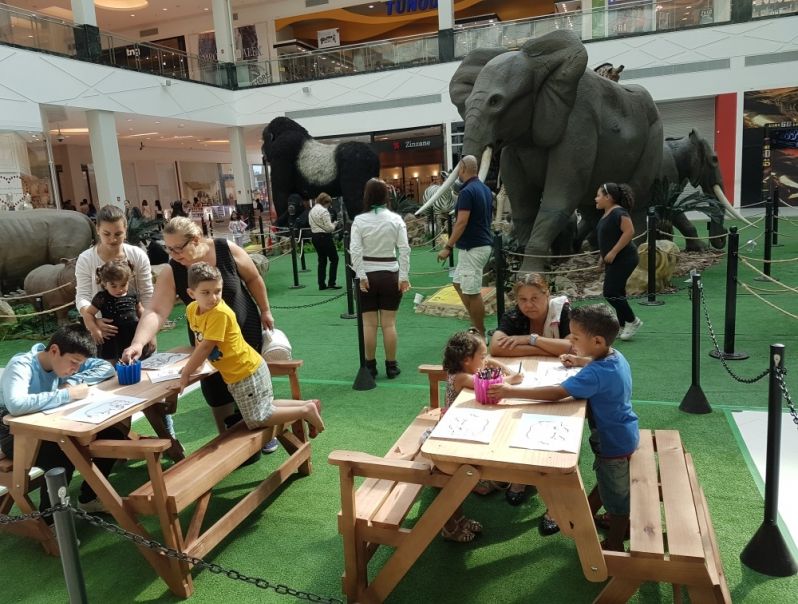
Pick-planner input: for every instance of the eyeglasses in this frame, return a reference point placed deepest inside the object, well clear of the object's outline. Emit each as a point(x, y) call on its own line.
point(177, 248)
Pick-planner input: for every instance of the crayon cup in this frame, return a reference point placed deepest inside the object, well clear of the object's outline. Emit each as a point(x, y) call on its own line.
point(481, 389)
point(128, 374)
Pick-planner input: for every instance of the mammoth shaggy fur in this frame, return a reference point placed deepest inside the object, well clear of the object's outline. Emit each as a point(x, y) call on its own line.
point(301, 165)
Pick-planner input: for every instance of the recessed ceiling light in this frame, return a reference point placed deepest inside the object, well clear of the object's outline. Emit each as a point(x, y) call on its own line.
point(371, 6)
point(205, 9)
point(132, 15)
point(157, 122)
point(164, 9)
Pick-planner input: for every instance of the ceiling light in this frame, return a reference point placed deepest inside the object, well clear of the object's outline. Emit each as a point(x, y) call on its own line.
point(371, 6)
point(70, 131)
point(121, 4)
point(164, 9)
point(142, 134)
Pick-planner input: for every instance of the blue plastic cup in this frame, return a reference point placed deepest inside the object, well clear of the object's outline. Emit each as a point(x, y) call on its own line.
point(128, 374)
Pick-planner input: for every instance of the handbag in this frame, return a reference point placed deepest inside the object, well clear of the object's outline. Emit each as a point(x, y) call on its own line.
point(276, 346)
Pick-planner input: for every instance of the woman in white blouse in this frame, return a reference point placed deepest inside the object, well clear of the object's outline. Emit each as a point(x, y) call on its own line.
point(381, 260)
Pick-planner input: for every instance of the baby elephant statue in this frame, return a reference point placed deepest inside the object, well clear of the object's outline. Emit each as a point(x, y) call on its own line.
point(57, 281)
point(667, 257)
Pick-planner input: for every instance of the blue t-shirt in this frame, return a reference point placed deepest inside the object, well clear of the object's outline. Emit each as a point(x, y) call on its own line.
point(475, 197)
point(607, 386)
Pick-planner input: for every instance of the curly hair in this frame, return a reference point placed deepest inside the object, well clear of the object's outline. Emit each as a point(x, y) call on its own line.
point(202, 271)
point(462, 345)
point(115, 271)
point(621, 194)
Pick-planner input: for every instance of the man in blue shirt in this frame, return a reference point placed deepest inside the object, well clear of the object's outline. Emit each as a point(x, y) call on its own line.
point(472, 237)
point(46, 378)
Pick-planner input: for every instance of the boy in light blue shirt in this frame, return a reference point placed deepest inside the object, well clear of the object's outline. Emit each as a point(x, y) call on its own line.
point(48, 377)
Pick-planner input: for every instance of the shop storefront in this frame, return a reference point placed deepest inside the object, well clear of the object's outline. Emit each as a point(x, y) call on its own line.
point(411, 160)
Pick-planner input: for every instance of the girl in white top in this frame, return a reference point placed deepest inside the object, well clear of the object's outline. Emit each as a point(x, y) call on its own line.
point(377, 235)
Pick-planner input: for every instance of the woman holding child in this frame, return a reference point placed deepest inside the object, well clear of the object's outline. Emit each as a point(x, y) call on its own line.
point(243, 291)
point(537, 326)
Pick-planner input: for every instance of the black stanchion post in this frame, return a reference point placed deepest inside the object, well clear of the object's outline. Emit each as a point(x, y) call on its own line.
point(350, 277)
point(363, 380)
point(262, 236)
point(695, 401)
point(296, 284)
point(652, 261)
point(767, 552)
point(449, 236)
point(204, 225)
point(210, 224)
point(768, 254)
point(65, 532)
point(498, 254)
point(432, 226)
point(302, 250)
point(776, 205)
point(730, 323)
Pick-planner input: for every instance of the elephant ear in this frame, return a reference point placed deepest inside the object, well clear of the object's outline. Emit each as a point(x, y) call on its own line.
point(559, 60)
point(462, 81)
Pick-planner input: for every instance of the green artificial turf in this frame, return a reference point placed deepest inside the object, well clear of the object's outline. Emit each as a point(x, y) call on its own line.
point(293, 538)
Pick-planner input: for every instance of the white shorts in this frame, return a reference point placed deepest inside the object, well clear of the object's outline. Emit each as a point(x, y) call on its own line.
point(470, 264)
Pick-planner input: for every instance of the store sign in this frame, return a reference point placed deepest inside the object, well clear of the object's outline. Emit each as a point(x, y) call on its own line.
point(328, 38)
point(409, 144)
point(133, 52)
point(400, 7)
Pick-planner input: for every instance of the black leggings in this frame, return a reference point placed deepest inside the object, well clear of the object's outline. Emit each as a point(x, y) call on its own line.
point(325, 248)
point(615, 277)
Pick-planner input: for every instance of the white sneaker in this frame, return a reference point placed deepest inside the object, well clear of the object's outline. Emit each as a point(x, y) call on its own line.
point(95, 506)
point(630, 329)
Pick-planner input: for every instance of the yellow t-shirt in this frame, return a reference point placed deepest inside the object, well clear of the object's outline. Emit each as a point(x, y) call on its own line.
point(232, 356)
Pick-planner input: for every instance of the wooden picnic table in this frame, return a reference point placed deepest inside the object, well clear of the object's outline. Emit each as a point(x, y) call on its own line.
point(169, 491)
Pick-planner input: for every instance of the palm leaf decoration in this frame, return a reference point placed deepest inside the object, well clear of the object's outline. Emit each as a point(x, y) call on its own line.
point(668, 201)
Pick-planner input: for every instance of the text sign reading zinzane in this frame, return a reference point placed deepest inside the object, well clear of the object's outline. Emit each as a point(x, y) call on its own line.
point(400, 7)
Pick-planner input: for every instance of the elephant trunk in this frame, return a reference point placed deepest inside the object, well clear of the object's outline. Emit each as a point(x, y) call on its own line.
point(441, 190)
point(729, 208)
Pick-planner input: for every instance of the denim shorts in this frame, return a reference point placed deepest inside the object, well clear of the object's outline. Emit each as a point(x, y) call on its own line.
point(613, 483)
point(470, 264)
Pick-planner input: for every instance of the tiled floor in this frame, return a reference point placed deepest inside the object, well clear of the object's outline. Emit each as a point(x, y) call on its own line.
point(753, 428)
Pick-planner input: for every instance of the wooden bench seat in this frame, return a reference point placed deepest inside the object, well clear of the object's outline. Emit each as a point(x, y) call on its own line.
point(436, 374)
point(34, 529)
point(671, 535)
point(373, 514)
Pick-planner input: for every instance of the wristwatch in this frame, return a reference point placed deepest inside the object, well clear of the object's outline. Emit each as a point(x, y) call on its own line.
point(533, 339)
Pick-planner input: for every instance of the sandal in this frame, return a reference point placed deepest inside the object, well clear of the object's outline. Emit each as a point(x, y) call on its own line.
point(460, 534)
point(484, 487)
point(469, 524)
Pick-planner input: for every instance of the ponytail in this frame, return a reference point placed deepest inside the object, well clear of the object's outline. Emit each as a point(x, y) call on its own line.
point(621, 194)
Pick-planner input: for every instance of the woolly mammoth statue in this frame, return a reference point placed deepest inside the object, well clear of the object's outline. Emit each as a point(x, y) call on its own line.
point(690, 159)
point(302, 165)
point(562, 130)
point(31, 238)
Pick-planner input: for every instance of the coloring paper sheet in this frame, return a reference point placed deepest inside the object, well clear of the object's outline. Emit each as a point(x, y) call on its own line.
point(102, 406)
point(173, 373)
point(475, 425)
point(548, 433)
point(548, 374)
point(161, 359)
point(94, 395)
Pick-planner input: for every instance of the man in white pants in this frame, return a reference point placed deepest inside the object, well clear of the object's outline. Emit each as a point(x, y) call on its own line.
point(472, 237)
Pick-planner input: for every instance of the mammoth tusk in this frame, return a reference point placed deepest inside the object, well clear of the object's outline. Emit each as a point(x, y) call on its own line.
point(729, 208)
point(484, 165)
point(441, 190)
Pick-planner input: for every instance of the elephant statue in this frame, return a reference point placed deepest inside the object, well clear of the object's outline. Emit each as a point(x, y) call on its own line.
point(690, 159)
point(58, 277)
point(31, 238)
point(301, 165)
point(562, 129)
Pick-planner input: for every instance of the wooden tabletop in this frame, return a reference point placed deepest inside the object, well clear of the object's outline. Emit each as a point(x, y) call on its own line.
point(498, 453)
point(57, 422)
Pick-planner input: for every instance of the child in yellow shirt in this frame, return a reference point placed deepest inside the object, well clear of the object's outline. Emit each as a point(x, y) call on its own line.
point(219, 340)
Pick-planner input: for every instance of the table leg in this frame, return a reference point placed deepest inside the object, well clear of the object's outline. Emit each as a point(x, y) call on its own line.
point(422, 534)
point(79, 456)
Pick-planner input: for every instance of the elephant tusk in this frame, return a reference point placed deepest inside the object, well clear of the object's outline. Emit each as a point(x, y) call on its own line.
point(484, 165)
point(729, 208)
point(441, 190)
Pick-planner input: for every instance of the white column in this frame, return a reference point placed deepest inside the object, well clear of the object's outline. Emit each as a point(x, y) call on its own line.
point(445, 14)
point(271, 51)
point(238, 151)
point(587, 19)
point(83, 12)
point(223, 26)
point(105, 157)
point(56, 194)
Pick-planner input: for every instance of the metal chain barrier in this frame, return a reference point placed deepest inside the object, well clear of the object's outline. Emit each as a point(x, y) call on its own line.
point(312, 304)
point(199, 563)
point(720, 354)
point(780, 374)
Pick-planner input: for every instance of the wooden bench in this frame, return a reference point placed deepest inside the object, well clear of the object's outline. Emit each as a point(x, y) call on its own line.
point(436, 374)
point(671, 535)
point(33, 529)
point(373, 515)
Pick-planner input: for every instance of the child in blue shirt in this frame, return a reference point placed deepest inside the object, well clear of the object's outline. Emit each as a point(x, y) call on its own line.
point(606, 382)
point(48, 377)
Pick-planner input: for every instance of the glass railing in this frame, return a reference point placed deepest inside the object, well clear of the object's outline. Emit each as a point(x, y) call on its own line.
point(773, 8)
point(345, 60)
point(31, 30)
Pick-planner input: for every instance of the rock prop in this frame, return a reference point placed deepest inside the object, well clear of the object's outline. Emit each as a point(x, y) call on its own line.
point(6, 313)
point(261, 263)
point(667, 259)
point(157, 269)
point(446, 303)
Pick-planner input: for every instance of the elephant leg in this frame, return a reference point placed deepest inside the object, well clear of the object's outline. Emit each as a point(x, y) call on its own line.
point(716, 229)
point(524, 195)
point(687, 228)
point(584, 230)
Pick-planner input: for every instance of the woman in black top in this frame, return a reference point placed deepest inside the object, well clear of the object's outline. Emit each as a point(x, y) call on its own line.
point(243, 290)
point(618, 252)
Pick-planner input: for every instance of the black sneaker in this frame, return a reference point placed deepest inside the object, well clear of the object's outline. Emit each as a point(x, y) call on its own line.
point(334, 287)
